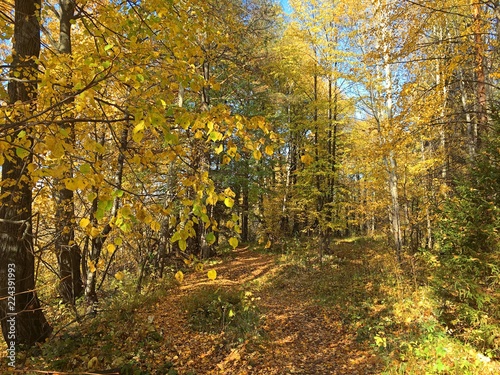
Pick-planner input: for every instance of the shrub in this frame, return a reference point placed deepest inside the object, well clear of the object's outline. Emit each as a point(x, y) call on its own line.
point(469, 252)
point(215, 310)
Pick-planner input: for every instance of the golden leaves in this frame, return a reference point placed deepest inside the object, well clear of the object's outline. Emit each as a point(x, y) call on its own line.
point(229, 202)
point(257, 155)
point(306, 159)
point(233, 241)
point(212, 274)
point(138, 131)
point(84, 222)
point(110, 248)
point(76, 183)
point(179, 276)
point(155, 226)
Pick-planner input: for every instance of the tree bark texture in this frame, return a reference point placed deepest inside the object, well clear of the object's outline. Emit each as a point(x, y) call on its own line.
point(21, 316)
point(68, 252)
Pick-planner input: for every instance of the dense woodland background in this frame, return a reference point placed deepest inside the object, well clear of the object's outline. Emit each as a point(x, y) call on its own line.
point(141, 140)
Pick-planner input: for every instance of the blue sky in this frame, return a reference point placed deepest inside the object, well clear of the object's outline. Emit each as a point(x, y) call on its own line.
point(286, 6)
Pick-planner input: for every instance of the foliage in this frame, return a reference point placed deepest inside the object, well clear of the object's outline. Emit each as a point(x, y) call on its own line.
point(361, 283)
point(467, 272)
point(108, 337)
point(162, 133)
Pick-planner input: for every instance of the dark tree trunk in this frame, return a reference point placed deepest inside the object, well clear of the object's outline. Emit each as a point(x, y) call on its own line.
point(97, 243)
point(245, 207)
point(68, 252)
point(22, 319)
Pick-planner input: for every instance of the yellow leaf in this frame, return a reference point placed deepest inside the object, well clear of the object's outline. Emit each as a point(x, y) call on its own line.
point(94, 232)
point(229, 202)
point(137, 137)
point(139, 127)
point(229, 192)
point(179, 276)
point(156, 226)
point(268, 244)
point(84, 222)
point(118, 241)
point(212, 199)
point(269, 150)
point(119, 276)
point(232, 151)
point(198, 267)
point(91, 266)
point(219, 149)
point(212, 274)
point(126, 212)
point(70, 184)
point(257, 155)
point(233, 241)
point(306, 159)
point(111, 248)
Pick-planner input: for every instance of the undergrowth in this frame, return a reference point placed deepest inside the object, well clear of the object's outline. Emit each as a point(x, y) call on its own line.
point(214, 309)
point(400, 318)
point(113, 339)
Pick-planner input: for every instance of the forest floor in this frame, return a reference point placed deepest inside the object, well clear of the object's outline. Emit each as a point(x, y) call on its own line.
point(297, 335)
point(353, 311)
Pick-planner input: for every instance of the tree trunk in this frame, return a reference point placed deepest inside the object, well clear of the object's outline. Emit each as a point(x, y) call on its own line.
point(22, 319)
point(245, 230)
point(98, 242)
point(68, 252)
point(479, 52)
point(386, 118)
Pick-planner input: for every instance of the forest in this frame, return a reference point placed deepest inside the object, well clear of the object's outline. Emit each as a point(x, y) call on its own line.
point(250, 187)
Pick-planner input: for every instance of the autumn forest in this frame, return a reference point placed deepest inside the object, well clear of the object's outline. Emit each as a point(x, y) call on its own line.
point(250, 187)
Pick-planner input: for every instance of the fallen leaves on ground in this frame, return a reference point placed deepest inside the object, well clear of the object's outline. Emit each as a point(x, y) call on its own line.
point(296, 337)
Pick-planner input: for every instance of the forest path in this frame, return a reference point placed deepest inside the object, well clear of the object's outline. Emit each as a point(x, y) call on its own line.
point(298, 336)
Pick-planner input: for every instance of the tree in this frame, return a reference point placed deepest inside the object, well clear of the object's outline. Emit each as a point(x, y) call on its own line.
point(67, 250)
point(17, 257)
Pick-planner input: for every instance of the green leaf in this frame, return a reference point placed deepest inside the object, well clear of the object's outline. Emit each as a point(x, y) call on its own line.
point(99, 214)
point(118, 193)
point(125, 227)
point(176, 237)
point(210, 238)
point(22, 152)
point(106, 205)
point(182, 245)
point(85, 168)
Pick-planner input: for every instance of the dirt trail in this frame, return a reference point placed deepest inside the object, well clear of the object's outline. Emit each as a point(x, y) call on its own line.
point(298, 336)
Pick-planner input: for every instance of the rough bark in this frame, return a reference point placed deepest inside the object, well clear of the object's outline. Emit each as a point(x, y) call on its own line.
point(68, 252)
point(21, 316)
